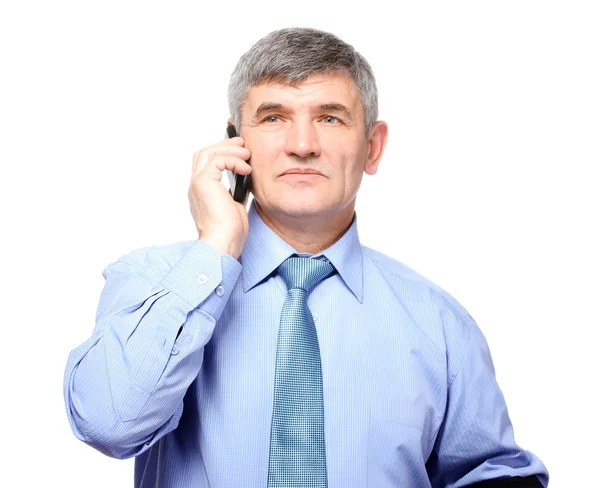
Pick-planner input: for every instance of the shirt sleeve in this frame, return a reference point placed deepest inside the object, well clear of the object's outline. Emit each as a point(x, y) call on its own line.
point(124, 386)
point(476, 441)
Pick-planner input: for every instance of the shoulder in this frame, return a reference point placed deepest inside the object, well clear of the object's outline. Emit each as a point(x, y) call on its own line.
point(401, 276)
point(162, 256)
point(433, 308)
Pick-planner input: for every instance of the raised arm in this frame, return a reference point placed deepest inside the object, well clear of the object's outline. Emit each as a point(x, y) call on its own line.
point(124, 386)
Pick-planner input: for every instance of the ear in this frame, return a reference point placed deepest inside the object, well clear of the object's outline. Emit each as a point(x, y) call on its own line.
point(230, 121)
point(377, 141)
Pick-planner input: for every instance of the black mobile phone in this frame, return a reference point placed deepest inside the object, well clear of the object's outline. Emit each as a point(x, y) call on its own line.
point(239, 184)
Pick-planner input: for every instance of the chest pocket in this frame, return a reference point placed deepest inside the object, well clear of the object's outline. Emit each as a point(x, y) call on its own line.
point(400, 441)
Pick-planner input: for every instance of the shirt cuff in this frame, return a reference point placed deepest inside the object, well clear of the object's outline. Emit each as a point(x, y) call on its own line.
point(203, 276)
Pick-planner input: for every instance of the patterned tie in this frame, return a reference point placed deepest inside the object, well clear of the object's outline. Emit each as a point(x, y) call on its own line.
point(297, 451)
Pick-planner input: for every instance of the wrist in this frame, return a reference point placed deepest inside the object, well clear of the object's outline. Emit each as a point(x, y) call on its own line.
point(221, 244)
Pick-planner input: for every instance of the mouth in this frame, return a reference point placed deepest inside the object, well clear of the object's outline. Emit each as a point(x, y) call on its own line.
point(301, 177)
point(301, 172)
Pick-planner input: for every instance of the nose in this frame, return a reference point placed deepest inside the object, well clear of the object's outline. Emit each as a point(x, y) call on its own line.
point(302, 139)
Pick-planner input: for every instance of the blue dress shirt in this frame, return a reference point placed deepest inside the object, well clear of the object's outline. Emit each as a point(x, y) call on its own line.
point(179, 371)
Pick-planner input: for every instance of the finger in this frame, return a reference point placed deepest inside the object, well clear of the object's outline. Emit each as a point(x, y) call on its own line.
point(210, 152)
point(204, 156)
point(215, 167)
point(231, 163)
point(232, 140)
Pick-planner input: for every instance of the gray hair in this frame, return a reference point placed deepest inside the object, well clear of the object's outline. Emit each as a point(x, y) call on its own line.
point(293, 54)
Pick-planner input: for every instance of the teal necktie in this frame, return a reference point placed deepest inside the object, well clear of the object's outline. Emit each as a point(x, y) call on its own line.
point(297, 450)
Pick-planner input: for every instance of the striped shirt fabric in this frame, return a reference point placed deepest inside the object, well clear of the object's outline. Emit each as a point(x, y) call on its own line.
point(179, 371)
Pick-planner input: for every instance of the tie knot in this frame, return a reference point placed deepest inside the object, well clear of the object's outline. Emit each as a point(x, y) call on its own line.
point(304, 273)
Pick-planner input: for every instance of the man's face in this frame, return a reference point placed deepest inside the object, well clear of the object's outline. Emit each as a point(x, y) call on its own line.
point(317, 125)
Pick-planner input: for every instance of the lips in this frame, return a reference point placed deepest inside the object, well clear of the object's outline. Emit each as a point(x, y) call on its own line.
point(301, 171)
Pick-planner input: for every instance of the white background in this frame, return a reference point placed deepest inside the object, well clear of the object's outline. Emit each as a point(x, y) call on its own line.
point(488, 186)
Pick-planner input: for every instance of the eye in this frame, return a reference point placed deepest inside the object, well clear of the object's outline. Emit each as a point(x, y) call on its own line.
point(271, 118)
point(329, 119)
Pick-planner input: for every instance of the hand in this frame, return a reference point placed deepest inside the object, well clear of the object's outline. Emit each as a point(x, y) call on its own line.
point(221, 221)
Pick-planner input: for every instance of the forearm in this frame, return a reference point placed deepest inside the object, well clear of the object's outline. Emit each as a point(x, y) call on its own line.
point(124, 387)
point(123, 391)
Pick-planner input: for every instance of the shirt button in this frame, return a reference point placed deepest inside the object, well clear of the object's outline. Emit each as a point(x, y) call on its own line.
point(220, 291)
point(202, 279)
point(175, 350)
point(315, 317)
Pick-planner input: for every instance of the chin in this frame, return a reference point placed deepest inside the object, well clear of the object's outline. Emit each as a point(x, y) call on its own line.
point(296, 203)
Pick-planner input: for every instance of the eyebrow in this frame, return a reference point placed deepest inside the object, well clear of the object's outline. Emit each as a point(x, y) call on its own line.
point(332, 107)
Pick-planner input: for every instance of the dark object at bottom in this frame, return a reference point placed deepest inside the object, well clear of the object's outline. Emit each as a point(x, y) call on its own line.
point(516, 482)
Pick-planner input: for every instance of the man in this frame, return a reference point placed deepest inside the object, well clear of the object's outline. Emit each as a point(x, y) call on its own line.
point(275, 350)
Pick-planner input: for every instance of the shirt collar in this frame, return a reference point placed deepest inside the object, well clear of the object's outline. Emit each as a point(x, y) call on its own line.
point(264, 251)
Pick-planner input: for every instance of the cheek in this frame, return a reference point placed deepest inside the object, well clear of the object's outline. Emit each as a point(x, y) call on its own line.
point(354, 178)
point(352, 165)
point(264, 151)
point(353, 174)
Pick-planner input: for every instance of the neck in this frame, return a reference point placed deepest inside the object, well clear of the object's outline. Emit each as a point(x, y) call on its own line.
point(311, 234)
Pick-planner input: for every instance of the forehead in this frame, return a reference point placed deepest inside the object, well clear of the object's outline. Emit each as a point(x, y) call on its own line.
point(315, 90)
